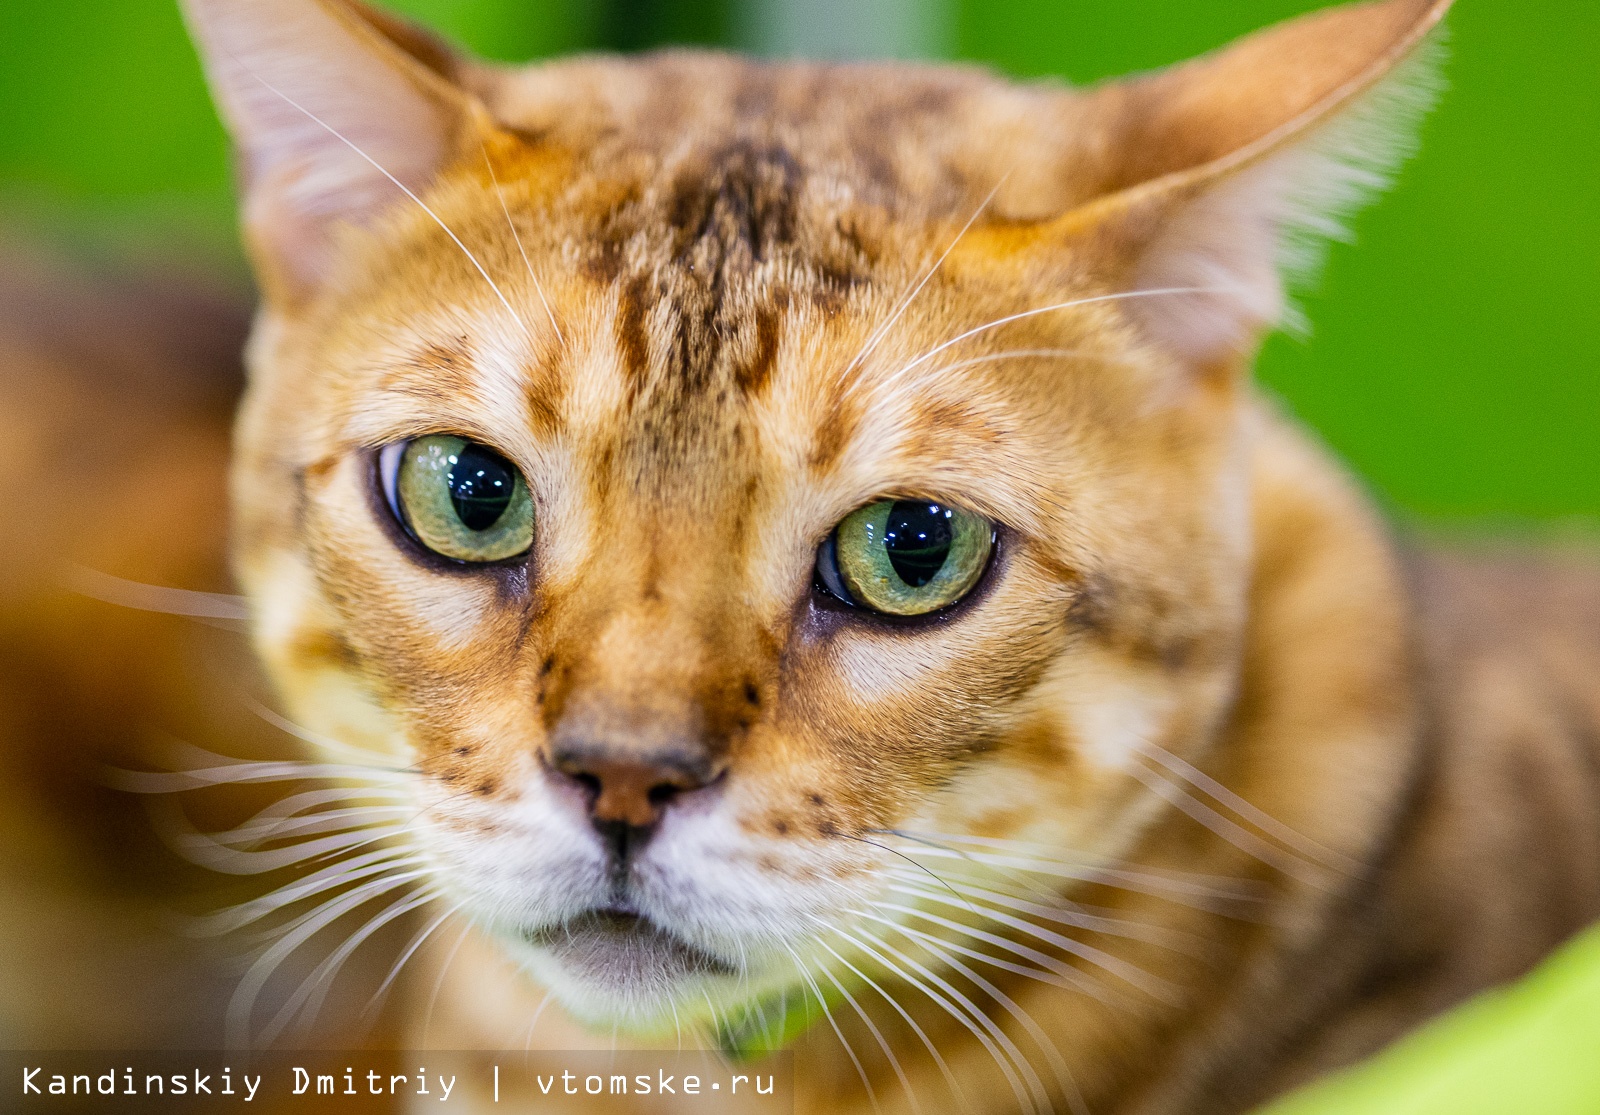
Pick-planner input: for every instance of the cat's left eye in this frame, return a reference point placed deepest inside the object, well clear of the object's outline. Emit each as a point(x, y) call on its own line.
point(905, 557)
point(459, 498)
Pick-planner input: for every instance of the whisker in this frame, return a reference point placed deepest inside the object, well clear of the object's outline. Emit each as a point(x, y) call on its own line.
point(933, 1050)
point(397, 871)
point(1078, 978)
point(1058, 1064)
point(1036, 311)
point(233, 918)
point(866, 1083)
point(1285, 861)
point(1263, 820)
point(1183, 888)
point(905, 303)
point(335, 133)
point(1105, 961)
point(242, 1003)
point(322, 742)
point(1061, 913)
point(885, 848)
point(872, 1028)
point(537, 286)
point(201, 849)
point(313, 990)
point(438, 983)
point(538, 1012)
point(1038, 974)
point(241, 773)
point(250, 835)
point(1030, 1093)
point(141, 597)
point(411, 950)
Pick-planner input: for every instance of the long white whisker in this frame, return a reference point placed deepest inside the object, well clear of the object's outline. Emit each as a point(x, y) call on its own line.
point(1059, 913)
point(243, 773)
point(438, 983)
point(905, 303)
point(319, 741)
point(313, 990)
point(537, 286)
point(872, 1028)
point(1022, 354)
point(1030, 1094)
point(822, 1002)
point(250, 835)
point(411, 950)
point(1134, 975)
point(242, 1004)
point(199, 848)
point(538, 1013)
point(1035, 312)
point(303, 802)
point(1058, 1064)
point(234, 918)
point(1175, 793)
point(335, 133)
point(141, 597)
point(895, 852)
point(1263, 820)
point(933, 1050)
point(1040, 975)
point(1178, 887)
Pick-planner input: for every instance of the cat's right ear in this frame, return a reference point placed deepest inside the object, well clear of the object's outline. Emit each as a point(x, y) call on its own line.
point(336, 111)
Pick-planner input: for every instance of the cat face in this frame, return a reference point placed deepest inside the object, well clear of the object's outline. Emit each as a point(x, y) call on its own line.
point(711, 477)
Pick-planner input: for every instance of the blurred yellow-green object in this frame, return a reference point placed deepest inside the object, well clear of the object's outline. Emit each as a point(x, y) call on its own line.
point(1529, 1049)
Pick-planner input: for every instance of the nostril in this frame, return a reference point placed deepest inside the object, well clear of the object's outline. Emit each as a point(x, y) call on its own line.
point(662, 793)
point(589, 782)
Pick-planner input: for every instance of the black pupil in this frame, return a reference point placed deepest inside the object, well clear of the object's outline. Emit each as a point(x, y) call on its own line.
point(481, 483)
point(918, 537)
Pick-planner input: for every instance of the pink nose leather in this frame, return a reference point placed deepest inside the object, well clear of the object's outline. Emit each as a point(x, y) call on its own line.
point(630, 790)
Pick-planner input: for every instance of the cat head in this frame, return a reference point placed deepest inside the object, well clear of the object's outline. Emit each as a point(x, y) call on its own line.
point(710, 476)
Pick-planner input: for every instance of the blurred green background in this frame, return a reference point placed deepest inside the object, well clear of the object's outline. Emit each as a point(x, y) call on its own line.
point(1451, 360)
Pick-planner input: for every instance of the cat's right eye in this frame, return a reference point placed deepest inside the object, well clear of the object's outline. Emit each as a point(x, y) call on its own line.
point(460, 499)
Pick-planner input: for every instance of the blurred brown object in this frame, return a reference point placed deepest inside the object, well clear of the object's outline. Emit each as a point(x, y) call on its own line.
point(117, 387)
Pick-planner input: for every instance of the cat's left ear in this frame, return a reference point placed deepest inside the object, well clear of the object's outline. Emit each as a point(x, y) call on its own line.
point(333, 107)
point(1215, 179)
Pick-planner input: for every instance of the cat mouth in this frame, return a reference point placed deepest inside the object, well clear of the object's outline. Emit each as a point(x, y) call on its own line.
point(619, 945)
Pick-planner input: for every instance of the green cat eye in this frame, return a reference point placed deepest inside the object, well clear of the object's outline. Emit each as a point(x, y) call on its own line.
point(461, 499)
point(905, 557)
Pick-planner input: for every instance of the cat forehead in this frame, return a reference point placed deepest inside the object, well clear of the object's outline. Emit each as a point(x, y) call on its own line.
point(916, 140)
point(701, 218)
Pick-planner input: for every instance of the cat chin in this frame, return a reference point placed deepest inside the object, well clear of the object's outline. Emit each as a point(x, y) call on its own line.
point(612, 969)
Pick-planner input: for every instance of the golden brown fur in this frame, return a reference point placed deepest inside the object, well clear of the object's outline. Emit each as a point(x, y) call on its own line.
point(1311, 789)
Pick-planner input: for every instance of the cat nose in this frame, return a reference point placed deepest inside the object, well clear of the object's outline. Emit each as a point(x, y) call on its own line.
point(630, 791)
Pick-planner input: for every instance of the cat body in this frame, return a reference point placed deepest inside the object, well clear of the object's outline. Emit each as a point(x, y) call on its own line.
point(1188, 785)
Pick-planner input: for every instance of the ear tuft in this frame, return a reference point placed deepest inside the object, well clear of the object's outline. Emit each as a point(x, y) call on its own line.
point(1254, 235)
point(1219, 182)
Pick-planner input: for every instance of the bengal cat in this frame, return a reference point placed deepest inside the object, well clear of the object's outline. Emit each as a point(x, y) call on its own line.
point(773, 542)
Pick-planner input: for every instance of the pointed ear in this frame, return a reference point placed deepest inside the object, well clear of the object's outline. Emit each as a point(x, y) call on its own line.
point(333, 108)
point(1223, 176)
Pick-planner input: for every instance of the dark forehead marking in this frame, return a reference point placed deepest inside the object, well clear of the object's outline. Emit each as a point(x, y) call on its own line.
point(632, 340)
point(753, 374)
point(734, 206)
point(699, 315)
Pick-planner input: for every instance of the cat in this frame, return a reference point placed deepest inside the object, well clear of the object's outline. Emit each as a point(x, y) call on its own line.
point(793, 534)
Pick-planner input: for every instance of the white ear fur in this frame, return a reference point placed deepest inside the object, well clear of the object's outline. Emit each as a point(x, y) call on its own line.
point(1237, 245)
point(328, 116)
